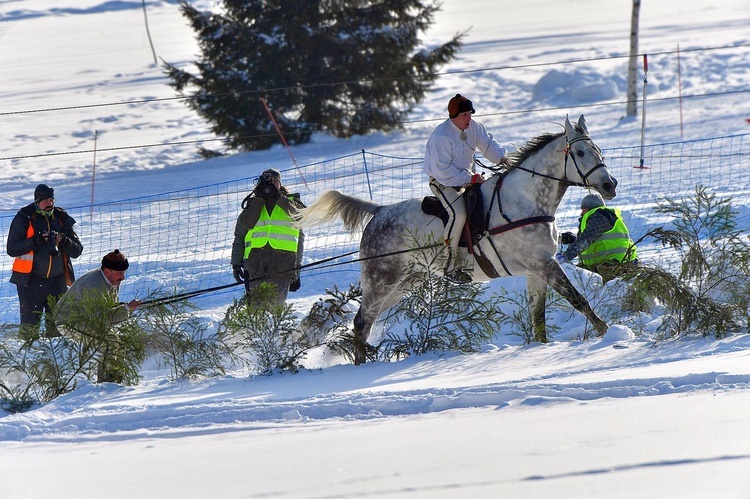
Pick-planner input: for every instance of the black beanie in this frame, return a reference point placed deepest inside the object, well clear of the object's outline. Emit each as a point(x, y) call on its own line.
point(43, 192)
point(115, 261)
point(272, 172)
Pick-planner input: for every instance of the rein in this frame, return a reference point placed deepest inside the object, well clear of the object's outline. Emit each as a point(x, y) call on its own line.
point(564, 179)
point(515, 224)
point(192, 294)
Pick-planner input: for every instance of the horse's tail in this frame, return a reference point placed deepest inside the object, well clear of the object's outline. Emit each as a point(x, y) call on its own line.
point(354, 212)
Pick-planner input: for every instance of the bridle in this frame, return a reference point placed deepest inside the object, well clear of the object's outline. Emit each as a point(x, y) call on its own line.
point(484, 263)
point(568, 154)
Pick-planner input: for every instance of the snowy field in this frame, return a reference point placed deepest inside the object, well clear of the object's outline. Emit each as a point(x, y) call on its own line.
point(573, 419)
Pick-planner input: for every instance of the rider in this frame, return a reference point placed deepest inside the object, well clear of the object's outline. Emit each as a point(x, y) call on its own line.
point(449, 162)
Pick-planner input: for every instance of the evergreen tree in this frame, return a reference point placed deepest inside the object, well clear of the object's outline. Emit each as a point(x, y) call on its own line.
point(346, 66)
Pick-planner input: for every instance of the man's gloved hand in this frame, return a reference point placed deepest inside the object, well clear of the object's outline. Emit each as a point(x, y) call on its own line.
point(61, 239)
point(294, 285)
point(561, 258)
point(567, 238)
point(240, 274)
point(38, 239)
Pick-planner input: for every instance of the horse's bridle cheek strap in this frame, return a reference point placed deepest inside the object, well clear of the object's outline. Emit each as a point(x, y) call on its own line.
point(569, 154)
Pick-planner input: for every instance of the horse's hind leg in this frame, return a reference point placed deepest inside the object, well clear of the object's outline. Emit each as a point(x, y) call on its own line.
point(381, 290)
point(537, 289)
point(362, 327)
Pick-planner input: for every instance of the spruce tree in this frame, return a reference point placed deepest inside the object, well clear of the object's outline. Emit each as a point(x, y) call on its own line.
point(347, 67)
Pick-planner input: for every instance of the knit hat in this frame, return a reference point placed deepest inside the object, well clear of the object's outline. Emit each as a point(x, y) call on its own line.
point(115, 260)
point(43, 192)
point(459, 104)
point(593, 200)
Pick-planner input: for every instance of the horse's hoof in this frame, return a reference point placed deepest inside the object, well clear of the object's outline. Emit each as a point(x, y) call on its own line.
point(359, 358)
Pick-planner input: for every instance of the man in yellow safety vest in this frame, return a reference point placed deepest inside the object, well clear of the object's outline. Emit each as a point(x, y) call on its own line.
point(267, 243)
point(603, 244)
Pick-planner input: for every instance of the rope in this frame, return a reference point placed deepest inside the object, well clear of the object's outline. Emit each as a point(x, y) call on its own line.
point(192, 294)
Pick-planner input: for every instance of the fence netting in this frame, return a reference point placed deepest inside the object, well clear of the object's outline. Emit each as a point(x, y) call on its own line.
point(180, 242)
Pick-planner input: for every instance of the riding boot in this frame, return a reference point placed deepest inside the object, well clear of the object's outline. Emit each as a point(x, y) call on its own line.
point(453, 270)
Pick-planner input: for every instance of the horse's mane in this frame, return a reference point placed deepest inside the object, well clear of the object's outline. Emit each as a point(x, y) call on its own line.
point(530, 148)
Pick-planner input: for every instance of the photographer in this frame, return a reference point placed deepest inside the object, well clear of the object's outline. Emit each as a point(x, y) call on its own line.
point(267, 245)
point(42, 241)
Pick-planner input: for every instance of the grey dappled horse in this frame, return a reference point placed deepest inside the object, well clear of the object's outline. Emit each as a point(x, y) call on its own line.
point(521, 237)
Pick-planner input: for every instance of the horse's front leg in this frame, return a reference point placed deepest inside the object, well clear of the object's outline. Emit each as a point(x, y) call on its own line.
point(559, 281)
point(537, 289)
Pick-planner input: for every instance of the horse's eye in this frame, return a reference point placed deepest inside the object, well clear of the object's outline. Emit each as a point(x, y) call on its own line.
point(579, 154)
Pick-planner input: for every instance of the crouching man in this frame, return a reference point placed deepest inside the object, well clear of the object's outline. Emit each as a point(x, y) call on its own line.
point(88, 311)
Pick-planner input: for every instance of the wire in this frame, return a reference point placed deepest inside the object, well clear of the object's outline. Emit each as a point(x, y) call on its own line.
point(368, 81)
point(406, 122)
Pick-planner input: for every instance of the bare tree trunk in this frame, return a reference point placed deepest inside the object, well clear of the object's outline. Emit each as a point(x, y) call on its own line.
point(632, 108)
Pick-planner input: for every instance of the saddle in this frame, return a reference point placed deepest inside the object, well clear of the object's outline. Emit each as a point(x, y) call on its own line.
point(476, 217)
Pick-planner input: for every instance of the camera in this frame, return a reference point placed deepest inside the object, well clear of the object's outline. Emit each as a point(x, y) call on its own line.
point(266, 188)
point(52, 241)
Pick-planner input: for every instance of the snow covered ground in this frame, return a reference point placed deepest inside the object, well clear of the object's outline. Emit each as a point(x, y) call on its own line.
point(568, 419)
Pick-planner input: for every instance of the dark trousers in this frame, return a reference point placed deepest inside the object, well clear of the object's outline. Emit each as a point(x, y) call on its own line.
point(282, 286)
point(33, 298)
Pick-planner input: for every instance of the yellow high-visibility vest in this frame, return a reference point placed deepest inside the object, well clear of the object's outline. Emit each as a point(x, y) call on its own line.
point(615, 244)
point(276, 229)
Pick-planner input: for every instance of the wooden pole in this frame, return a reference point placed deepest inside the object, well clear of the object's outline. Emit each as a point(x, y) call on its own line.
point(148, 32)
point(679, 85)
point(93, 175)
point(643, 111)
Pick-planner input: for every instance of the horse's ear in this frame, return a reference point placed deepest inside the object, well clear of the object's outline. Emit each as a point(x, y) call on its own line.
point(569, 131)
point(582, 124)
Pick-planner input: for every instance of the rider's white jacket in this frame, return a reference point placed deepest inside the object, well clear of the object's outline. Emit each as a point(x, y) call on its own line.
point(449, 156)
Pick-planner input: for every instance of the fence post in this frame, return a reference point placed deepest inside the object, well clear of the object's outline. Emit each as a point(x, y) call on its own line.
point(643, 110)
point(679, 86)
point(367, 174)
point(93, 175)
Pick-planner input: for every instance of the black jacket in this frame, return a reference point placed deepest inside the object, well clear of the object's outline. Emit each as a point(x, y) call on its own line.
point(45, 264)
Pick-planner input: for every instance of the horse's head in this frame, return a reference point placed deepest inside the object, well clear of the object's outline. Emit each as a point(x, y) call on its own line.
point(587, 160)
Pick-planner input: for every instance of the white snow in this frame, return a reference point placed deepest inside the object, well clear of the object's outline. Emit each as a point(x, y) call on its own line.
point(572, 419)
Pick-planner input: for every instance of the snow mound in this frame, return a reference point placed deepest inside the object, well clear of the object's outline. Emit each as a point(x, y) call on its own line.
point(617, 333)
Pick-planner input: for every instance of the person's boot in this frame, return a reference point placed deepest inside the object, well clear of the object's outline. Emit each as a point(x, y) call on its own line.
point(455, 272)
point(459, 276)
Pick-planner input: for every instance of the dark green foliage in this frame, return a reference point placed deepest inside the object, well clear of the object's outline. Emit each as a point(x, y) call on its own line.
point(437, 314)
point(184, 343)
point(345, 343)
point(709, 294)
point(267, 330)
point(329, 322)
point(113, 351)
point(330, 317)
point(518, 315)
point(346, 66)
point(40, 368)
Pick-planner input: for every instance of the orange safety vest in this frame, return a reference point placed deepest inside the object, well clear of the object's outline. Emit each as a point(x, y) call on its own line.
point(24, 263)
